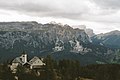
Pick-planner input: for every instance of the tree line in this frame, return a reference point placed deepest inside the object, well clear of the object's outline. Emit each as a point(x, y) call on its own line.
point(63, 70)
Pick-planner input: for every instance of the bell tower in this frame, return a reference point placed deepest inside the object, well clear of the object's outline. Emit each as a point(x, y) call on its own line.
point(24, 57)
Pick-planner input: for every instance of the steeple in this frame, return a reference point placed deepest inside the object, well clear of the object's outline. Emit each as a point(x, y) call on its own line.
point(23, 57)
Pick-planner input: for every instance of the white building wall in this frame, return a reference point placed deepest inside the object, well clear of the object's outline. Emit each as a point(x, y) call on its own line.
point(38, 62)
point(24, 58)
point(14, 66)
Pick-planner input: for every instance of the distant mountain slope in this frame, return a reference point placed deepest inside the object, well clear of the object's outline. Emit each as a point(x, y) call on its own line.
point(36, 38)
point(111, 39)
point(59, 41)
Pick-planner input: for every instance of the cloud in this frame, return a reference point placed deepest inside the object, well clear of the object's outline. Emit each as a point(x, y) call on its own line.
point(72, 9)
point(108, 4)
point(94, 13)
point(91, 10)
point(54, 8)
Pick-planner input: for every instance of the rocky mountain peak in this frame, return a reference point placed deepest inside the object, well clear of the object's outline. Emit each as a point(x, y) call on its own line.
point(88, 31)
point(39, 37)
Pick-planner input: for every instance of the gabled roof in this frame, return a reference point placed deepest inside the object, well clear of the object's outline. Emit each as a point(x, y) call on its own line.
point(34, 59)
point(17, 60)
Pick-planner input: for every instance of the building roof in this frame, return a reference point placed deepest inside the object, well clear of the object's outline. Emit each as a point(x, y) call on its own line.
point(34, 59)
point(17, 60)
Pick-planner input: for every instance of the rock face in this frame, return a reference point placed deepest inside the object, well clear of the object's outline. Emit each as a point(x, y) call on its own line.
point(36, 38)
point(39, 35)
point(88, 31)
point(60, 41)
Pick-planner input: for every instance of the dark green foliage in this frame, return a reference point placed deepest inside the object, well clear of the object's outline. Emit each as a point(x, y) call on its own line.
point(69, 69)
point(5, 73)
point(101, 72)
point(50, 73)
point(63, 70)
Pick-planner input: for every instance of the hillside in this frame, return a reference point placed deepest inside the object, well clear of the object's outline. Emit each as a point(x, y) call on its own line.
point(60, 41)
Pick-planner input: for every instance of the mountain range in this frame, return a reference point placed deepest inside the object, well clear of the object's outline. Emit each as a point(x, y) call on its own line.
point(110, 39)
point(59, 41)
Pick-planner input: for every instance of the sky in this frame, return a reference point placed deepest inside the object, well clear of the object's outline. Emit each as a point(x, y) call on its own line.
point(100, 15)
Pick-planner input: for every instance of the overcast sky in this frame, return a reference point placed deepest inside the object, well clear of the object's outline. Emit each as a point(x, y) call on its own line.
point(99, 15)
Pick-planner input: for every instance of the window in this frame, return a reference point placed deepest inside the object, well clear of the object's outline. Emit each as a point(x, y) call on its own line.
point(21, 59)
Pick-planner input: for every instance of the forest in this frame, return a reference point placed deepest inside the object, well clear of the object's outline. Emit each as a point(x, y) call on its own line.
point(62, 70)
